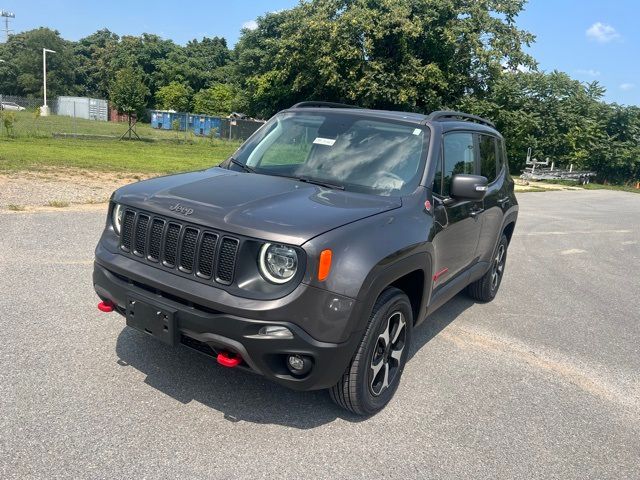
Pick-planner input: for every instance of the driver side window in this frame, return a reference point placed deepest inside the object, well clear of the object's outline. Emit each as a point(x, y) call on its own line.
point(459, 157)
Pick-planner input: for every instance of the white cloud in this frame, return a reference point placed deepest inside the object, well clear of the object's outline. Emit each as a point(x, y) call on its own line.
point(250, 25)
point(589, 72)
point(601, 32)
point(627, 86)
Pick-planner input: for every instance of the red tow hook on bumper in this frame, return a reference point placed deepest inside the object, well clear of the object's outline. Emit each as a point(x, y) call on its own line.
point(106, 306)
point(227, 359)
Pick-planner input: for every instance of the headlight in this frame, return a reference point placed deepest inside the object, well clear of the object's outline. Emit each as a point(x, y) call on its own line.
point(278, 263)
point(116, 218)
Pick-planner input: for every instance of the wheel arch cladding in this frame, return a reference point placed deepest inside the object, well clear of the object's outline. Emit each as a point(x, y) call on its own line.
point(412, 285)
point(508, 230)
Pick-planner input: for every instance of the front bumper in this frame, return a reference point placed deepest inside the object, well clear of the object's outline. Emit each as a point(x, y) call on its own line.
point(210, 327)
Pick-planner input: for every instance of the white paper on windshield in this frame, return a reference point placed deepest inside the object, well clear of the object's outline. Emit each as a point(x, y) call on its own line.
point(417, 131)
point(325, 141)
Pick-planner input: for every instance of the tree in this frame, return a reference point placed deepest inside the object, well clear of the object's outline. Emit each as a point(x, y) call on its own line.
point(23, 73)
point(198, 64)
point(219, 99)
point(562, 119)
point(402, 54)
point(128, 95)
point(144, 54)
point(94, 55)
point(175, 96)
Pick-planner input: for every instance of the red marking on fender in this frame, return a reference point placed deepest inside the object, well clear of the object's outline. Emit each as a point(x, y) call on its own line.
point(106, 306)
point(227, 359)
point(437, 275)
point(427, 205)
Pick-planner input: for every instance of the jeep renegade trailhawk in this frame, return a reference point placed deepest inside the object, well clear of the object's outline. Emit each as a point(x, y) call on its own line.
point(312, 253)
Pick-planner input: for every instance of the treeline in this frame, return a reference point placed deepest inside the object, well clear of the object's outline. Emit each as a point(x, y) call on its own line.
point(416, 55)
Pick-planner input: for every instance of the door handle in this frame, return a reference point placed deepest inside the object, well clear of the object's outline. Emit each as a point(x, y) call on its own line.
point(474, 212)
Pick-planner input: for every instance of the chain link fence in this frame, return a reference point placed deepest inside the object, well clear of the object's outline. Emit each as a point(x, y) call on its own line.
point(8, 102)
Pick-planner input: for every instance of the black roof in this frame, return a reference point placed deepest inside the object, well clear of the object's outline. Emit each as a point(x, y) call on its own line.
point(453, 120)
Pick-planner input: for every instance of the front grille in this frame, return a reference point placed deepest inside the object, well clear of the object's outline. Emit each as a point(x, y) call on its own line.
point(140, 242)
point(189, 249)
point(155, 239)
point(171, 245)
point(227, 260)
point(127, 230)
point(207, 254)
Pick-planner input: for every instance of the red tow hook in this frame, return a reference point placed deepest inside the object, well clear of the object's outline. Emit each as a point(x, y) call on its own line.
point(106, 306)
point(230, 360)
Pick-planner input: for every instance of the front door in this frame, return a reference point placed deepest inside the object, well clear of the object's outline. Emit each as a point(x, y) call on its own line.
point(458, 222)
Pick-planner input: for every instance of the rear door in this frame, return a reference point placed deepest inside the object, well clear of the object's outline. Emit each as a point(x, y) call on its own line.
point(458, 226)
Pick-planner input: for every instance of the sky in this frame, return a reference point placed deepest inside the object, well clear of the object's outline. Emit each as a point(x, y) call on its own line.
point(588, 39)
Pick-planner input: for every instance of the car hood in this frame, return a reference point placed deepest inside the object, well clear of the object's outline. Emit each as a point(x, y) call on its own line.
point(255, 205)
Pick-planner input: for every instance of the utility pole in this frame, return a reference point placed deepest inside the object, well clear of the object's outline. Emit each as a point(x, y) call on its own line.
point(7, 15)
point(44, 110)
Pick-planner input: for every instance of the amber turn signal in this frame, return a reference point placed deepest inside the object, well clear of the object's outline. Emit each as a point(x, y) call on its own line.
point(325, 265)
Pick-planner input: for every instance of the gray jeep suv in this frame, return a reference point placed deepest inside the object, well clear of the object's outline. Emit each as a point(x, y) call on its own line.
point(311, 255)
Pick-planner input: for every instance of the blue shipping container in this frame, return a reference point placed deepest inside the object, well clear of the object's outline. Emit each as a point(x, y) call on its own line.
point(163, 120)
point(202, 125)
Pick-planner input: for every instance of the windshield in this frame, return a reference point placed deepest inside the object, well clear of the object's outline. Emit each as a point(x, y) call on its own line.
point(350, 151)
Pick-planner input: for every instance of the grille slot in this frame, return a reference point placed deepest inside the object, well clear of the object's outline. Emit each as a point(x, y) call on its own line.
point(171, 245)
point(127, 230)
point(226, 260)
point(140, 240)
point(188, 249)
point(207, 254)
point(155, 239)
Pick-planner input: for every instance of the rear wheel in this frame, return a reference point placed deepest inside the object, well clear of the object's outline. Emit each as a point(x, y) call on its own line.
point(373, 376)
point(485, 288)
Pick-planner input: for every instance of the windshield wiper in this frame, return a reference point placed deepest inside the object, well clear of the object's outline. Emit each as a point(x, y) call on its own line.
point(320, 183)
point(246, 168)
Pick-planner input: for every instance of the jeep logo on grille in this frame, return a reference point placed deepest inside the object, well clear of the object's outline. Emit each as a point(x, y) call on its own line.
point(180, 209)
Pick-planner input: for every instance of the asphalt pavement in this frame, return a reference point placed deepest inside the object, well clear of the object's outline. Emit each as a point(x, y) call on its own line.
point(541, 383)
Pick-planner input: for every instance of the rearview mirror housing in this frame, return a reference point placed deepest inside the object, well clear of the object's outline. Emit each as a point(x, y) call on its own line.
point(468, 187)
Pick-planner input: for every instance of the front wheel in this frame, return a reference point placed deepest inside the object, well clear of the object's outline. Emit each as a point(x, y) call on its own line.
point(373, 375)
point(485, 288)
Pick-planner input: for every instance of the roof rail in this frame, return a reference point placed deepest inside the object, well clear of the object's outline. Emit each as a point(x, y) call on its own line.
point(452, 115)
point(312, 104)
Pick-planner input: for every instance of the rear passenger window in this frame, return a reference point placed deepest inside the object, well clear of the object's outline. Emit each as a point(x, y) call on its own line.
point(488, 160)
point(458, 157)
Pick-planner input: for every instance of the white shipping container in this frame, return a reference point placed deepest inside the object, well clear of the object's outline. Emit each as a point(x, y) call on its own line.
point(83, 107)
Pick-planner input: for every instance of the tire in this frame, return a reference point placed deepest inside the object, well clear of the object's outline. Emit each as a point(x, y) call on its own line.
point(362, 389)
point(486, 288)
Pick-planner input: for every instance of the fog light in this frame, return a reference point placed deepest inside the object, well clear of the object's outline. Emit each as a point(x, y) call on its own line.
point(299, 364)
point(296, 362)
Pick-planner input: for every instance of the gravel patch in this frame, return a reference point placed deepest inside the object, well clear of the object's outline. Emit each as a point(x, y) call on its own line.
point(59, 188)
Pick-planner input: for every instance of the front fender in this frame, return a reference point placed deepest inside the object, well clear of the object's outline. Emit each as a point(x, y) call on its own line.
point(372, 253)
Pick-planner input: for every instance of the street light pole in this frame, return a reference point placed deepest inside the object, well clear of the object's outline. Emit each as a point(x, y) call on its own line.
point(44, 110)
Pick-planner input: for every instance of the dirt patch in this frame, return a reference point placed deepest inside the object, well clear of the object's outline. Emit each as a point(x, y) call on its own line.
point(59, 188)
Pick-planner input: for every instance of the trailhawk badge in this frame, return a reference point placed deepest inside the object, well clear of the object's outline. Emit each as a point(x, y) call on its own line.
point(180, 209)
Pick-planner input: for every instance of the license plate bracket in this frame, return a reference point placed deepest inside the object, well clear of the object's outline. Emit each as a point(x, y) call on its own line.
point(152, 318)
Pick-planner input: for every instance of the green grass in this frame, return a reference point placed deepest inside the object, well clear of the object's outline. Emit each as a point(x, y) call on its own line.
point(28, 125)
point(16, 208)
point(18, 154)
point(33, 147)
point(58, 203)
point(622, 188)
point(594, 186)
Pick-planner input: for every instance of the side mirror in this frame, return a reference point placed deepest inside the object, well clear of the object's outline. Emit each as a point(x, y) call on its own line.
point(468, 187)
